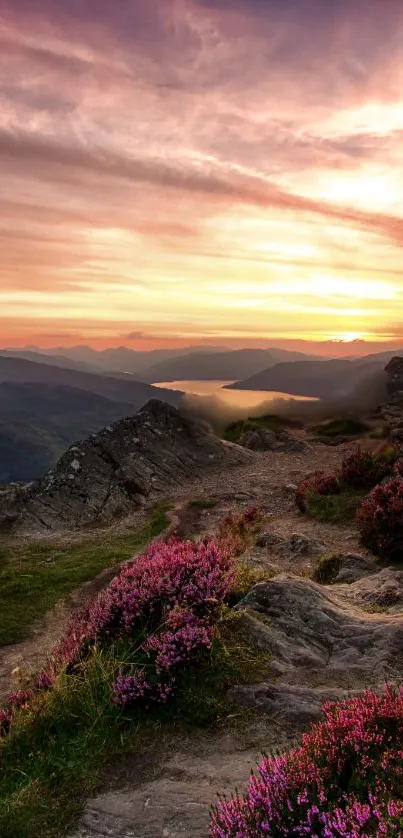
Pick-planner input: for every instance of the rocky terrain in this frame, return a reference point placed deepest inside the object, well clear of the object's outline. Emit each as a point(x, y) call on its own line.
point(323, 640)
point(116, 470)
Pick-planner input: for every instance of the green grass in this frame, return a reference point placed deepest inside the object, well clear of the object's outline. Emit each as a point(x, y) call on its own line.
point(341, 427)
point(57, 756)
point(35, 576)
point(335, 508)
point(237, 430)
point(202, 503)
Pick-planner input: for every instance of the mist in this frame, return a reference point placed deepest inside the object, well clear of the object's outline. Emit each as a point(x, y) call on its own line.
point(359, 402)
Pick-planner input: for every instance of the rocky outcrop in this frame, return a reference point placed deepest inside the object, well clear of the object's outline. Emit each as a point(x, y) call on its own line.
point(325, 641)
point(263, 439)
point(112, 472)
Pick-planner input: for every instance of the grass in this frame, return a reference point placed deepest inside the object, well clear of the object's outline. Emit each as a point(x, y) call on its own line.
point(33, 577)
point(335, 508)
point(341, 427)
point(54, 758)
point(327, 570)
point(203, 503)
point(237, 430)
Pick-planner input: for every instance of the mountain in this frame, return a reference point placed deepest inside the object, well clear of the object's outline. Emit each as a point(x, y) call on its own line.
point(133, 392)
point(114, 471)
point(234, 364)
point(38, 422)
point(122, 358)
point(51, 360)
point(320, 379)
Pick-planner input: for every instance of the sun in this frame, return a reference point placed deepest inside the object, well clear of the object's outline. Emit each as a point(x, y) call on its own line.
point(349, 337)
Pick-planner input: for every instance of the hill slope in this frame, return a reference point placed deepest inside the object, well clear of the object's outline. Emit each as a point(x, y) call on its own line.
point(320, 379)
point(38, 422)
point(132, 392)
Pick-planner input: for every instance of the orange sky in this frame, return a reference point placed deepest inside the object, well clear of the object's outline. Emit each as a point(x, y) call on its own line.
point(221, 171)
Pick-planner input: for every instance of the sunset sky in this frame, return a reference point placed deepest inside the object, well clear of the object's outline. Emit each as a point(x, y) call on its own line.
point(181, 171)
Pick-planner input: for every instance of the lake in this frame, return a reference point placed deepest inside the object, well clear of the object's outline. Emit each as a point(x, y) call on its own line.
point(237, 398)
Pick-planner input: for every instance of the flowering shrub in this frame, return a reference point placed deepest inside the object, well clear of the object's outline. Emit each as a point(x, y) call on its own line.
point(346, 779)
point(319, 483)
point(399, 468)
point(363, 468)
point(22, 699)
point(163, 605)
point(380, 520)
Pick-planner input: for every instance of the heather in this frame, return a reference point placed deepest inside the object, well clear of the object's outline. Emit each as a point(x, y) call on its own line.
point(158, 647)
point(345, 779)
point(380, 520)
point(335, 497)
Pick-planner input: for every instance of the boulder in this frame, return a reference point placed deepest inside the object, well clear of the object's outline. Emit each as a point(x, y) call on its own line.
point(353, 567)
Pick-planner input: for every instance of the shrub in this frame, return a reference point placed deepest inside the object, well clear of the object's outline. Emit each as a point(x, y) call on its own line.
point(319, 483)
point(341, 427)
point(327, 569)
point(363, 468)
point(346, 779)
point(380, 520)
point(161, 609)
point(335, 508)
point(399, 468)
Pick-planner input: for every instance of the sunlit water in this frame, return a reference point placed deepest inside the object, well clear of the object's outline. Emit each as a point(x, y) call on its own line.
point(237, 398)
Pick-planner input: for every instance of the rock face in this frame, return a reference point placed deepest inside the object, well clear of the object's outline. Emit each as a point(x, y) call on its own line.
point(112, 472)
point(325, 641)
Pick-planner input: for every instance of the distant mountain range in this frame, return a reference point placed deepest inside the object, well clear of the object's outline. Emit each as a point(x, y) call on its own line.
point(48, 401)
point(223, 366)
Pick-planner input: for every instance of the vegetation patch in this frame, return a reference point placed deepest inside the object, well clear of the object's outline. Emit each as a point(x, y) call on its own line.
point(236, 431)
point(33, 576)
point(333, 509)
point(335, 497)
point(341, 427)
point(380, 520)
point(327, 569)
point(345, 779)
point(156, 651)
point(203, 503)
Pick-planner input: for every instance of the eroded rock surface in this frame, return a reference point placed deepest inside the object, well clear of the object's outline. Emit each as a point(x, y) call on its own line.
point(112, 472)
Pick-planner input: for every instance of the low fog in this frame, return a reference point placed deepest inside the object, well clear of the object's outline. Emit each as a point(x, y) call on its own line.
point(361, 401)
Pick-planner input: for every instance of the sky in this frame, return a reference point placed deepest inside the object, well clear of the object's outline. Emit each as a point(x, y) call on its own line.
point(201, 171)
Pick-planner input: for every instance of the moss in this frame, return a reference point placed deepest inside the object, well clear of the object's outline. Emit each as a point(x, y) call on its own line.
point(335, 508)
point(327, 570)
point(341, 427)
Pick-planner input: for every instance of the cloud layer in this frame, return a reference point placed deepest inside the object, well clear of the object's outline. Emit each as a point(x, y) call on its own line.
point(210, 169)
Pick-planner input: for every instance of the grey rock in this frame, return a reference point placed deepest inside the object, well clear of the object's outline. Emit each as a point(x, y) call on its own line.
point(260, 439)
point(114, 471)
point(322, 638)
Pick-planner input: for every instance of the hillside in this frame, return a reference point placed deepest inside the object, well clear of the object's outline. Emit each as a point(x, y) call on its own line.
point(320, 379)
point(132, 392)
point(115, 471)
point(222, 366)
point(38, 422)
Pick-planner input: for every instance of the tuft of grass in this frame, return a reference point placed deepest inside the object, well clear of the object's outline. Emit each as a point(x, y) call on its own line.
point(246, 577)
point(236, 431)
point(57, 755)
point(335, 508)
point(327, 570)
point(203, 503)
point(341, 427)
point(34, 576)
